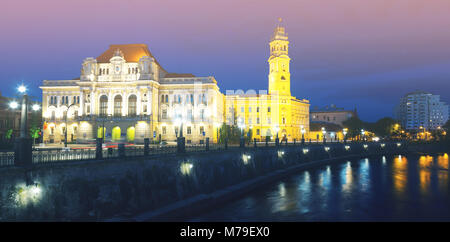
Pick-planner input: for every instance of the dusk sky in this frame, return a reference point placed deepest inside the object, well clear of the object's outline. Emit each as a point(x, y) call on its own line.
point(352, 53)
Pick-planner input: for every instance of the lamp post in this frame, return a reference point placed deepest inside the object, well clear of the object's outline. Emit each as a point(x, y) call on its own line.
point(303, 134)
point(65, 133)
point(23, 145)
point(277, 140)
point(241, 126)
point(324, 132)
point(344, 132)
point(217, 131)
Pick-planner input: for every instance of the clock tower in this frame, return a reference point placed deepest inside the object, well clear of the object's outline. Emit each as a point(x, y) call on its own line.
point(279, 75)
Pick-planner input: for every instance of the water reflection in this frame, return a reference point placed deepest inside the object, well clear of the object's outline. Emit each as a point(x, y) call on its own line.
point(347, 177)
point(400, 174)
point(385, 188)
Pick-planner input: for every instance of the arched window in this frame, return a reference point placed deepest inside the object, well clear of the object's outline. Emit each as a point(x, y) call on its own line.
point(167, 98)
point(107, 71)
point(162, 98)
point(103, 105)
point(51, 100)
point(118, 105)
point(132, 105)
point(129, 70)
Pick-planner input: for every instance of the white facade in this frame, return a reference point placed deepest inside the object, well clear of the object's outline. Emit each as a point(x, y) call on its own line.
point(128, 95)
point(422, 109)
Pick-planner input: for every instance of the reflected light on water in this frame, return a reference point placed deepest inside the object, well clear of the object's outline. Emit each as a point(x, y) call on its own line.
point(347, 177)
point(400, 173)
point(425, 165)
point(442, 161)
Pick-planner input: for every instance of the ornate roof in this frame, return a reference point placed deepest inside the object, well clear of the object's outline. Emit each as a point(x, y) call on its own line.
point(131, 52)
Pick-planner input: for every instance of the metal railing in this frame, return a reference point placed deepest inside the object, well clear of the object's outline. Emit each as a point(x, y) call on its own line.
point(6, 158)
point(40, 156)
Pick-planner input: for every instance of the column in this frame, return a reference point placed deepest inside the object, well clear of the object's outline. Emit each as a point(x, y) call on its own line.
point(81, 108)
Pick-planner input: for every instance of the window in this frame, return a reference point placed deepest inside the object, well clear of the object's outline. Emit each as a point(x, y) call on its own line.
point(249, 120)
point(188, 130)
point(269, 121)
point(242, 109)
point(257, 131)
point(268, 109)
point(132, 105)
point(53, 115)
point(164, 114)
point(284, 120)
point(103, 105)
point(202, 129)
point(145, 108)
point(118, 105)
point(167, 98)
point(257, 109)
point(257, 120)
point(202, 113)
point(78, 99)
point(164, 130)
point(249, 109)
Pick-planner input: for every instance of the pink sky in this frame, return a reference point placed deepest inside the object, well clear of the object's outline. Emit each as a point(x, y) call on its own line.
point(348, 44)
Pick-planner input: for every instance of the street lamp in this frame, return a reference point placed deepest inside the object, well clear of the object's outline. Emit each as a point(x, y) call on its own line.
point(35, 107)
point(303, 133)
point(13, 104)
point(344, 132)
point(65, 133)
point(362, 134)
point(277, 128)
point(324, 132)
point(241, 126)
point(217, 131)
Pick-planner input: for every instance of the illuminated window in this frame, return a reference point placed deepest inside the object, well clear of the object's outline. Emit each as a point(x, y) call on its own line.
point(188, 130)
point(164, 130)
point(132, 105)
point(118, 105)
point(103, 105)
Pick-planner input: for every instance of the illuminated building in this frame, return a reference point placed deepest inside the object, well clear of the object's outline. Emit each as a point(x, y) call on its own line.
point(422, 110)
point(331, 114)
point(125, 95)
point(264, 113)
point(126, 91)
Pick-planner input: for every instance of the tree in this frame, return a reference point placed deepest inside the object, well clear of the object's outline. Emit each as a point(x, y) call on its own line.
point(354, 126)
point(233, 134)
point(8, 134)
point(34, 132)
point(446, 126)
point(385, 127)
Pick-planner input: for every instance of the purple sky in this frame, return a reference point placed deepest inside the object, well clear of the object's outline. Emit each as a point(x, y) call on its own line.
point(352, 53)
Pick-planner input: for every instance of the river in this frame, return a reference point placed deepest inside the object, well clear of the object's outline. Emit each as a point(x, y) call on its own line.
point(394, 188)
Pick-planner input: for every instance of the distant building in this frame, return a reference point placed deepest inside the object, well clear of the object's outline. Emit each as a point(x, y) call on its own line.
point(422, 109)
point(331, 114)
